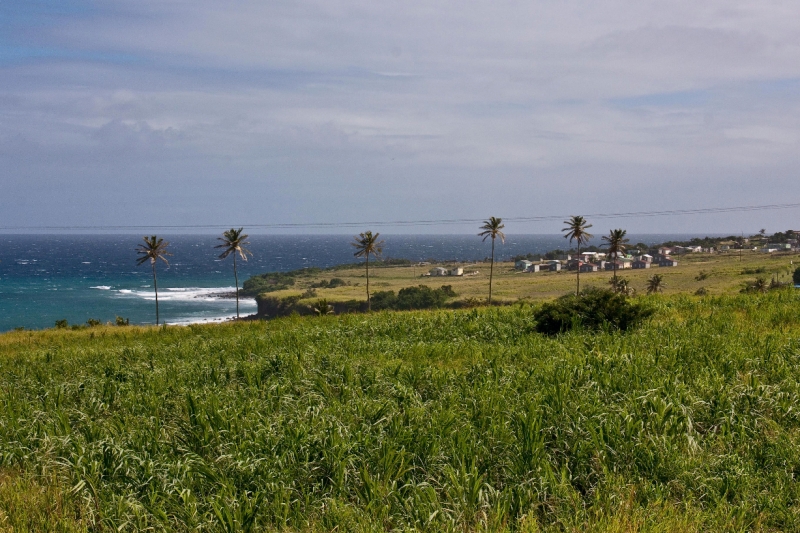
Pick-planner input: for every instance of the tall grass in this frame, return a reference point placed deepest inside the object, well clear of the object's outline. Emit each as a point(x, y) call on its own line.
point(436, 421)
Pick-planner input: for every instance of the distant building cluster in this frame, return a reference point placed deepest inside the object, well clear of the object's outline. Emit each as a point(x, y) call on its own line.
point(596, 261)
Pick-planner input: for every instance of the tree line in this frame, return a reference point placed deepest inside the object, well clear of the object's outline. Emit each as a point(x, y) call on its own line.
point(368, 244)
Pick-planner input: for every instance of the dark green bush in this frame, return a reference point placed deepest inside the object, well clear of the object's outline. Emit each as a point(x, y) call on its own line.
point(421, 297)
point(796, 276)
point(61, 324)
point(269, 282)
point(593, 309)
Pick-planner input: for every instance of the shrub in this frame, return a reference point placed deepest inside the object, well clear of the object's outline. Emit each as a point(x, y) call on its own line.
point(310, 293)
point(62, 324)
point(332, 284)
point(702, 291)
point(92, 322)
point(448, 291)
point(383, 300)
point(421, 297)
point(796, 276)
point(119, 321)
point(270, 282)
point(593, 309)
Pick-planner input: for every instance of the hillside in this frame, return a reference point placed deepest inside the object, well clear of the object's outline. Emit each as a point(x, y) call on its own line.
point(718, 274)
point(437, 421)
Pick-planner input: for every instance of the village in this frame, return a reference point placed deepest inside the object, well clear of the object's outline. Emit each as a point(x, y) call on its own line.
point(595, 261)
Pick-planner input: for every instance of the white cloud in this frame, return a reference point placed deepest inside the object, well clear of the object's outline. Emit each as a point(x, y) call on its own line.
point(325, 102)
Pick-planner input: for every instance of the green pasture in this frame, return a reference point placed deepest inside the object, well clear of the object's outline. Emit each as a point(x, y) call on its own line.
point(430, 421)
point(717, 274)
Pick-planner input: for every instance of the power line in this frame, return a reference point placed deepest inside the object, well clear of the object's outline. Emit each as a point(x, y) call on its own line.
point(411, 223)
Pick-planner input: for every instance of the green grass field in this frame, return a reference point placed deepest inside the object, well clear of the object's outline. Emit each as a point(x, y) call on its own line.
point(724, 274)
point(433, 421)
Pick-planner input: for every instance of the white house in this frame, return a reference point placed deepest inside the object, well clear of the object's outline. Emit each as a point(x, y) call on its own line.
point(438, 271)
point(457, 271)
point(523, 264)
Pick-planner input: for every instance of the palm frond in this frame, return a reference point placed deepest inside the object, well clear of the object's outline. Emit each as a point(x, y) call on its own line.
point(491, 228)
point(233, 241)
point(152, 249)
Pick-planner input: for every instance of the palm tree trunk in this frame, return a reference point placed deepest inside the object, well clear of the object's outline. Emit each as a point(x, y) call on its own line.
point(155, 287)
point(236, 278)
point(578, 273)
point(615, 272)
point(491, 272)
point(369, 304)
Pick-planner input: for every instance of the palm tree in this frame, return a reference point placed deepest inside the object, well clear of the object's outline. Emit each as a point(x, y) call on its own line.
point(491, 228)
point(322, 308)
point(233, 242)
point(576, 230)
point(153, 249)
point(366, 243)
point(655, 284)
point(616, 242)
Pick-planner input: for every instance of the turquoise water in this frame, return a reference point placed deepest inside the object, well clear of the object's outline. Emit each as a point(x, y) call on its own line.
point(44, 278)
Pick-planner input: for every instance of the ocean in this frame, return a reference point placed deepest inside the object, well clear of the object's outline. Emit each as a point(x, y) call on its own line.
point(45, 278)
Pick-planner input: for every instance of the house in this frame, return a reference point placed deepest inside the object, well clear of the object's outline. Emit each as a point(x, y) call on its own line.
point(647, 258)
point(622, 264)
point(457, 271)
point(574, 264)
point(641, 264)
point(535, 268)
point(554, 266)
point(522, 264)
point(588, 267)
point(588, 256)
point(667, 262)
point(438, 271)
point(664, 251)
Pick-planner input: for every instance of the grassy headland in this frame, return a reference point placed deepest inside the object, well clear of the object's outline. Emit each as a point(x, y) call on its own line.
point(438, 421)
point(718, 274)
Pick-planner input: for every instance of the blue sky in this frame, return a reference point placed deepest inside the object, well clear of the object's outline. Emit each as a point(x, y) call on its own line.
point(130, 113)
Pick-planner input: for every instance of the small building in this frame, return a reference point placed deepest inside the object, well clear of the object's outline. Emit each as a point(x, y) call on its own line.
point(647, 258)
point(574, 264)
point(536, 267)
point(554, 266)
point(622, 264)
point(640, 264)
point(457, 271)
point(588, 267)
point(438, 271)
point(588, 256)
point(667, 262)
point(523, 264)
point(724, 247)
point(769, 250)
point(664, 251)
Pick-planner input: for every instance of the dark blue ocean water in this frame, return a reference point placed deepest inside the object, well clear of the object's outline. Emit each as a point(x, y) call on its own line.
point(44, 278)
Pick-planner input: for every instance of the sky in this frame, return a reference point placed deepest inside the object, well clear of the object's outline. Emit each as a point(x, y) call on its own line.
point(164, 113)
